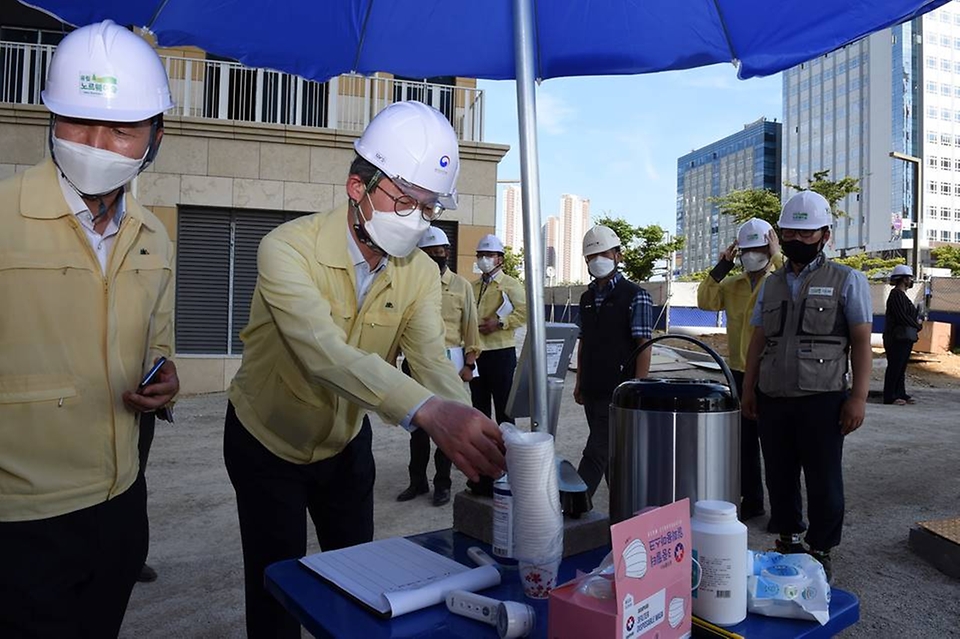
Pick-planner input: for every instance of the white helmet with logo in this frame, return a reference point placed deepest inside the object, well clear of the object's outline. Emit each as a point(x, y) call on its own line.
point(415, 146)
point(434, 237)
point(490, 244)
point(807, 210)
point(599, 239)
point(105, 72)
point(753, 233)
point(901, 270)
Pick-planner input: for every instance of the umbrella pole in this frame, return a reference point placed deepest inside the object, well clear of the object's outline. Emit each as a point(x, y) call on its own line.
point(524, 37)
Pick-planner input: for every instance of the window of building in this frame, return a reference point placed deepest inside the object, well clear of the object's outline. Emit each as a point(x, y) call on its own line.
point(945, 212)
point(956, 214)
point(946, 65)
point(933, 186)
point(946, 114)
point(944, 236)
point(932, 161)
point(946, 188)
point(931, 63)
point(946, 164)
point(932, 137)
point(946, 89)
point(946, 139)
point(932, 212)
point(931, 234)
point(931, 112)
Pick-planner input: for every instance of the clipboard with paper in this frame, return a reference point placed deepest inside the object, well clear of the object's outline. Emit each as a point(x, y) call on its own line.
point(394, 576)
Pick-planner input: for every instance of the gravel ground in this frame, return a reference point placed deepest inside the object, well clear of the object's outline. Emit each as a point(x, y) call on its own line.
point(900, 468)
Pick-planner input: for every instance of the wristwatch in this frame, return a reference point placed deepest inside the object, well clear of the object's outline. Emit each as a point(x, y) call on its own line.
point(500, 324)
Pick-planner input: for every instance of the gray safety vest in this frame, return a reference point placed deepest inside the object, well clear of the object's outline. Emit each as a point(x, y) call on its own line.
point(807, 340)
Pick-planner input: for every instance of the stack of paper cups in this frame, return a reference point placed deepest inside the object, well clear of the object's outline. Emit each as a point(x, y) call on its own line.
point(537, 518)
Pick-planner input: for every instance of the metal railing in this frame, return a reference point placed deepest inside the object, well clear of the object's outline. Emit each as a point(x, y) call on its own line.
point(230, 91)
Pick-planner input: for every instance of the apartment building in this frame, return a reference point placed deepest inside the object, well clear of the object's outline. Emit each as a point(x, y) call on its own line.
point(748, 159)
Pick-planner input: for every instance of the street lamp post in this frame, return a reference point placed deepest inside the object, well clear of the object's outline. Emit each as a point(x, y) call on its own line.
point(917, 202)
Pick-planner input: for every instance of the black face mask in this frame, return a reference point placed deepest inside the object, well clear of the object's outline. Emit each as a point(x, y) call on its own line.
point(799, 252)
point(441, 262)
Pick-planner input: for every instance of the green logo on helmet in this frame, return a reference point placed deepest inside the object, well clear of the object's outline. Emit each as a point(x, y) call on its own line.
point(100, 85)
point(800, 215)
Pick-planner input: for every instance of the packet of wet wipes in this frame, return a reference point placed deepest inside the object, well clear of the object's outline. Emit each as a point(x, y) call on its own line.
point(792, 586)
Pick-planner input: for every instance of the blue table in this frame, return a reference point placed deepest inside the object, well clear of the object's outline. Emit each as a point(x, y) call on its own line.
point(326, 613)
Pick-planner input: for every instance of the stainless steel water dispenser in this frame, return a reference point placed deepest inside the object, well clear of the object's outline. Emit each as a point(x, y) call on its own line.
point(673, 438)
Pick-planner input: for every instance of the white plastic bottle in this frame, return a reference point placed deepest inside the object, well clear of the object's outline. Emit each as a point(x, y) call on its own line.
point(502, 519)
point(719, 544)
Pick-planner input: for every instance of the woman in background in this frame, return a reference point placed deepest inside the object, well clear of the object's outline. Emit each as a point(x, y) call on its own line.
point(899, 335)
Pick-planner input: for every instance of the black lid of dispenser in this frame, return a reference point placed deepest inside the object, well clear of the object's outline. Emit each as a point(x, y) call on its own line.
point(675, 395)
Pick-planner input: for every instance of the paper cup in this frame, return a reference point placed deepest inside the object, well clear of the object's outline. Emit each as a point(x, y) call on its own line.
point(539, 579)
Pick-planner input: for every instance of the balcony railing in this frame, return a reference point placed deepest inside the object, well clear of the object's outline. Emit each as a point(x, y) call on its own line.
point(230, 91)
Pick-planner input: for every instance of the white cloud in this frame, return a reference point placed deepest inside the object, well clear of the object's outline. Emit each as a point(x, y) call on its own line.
point(553, 114)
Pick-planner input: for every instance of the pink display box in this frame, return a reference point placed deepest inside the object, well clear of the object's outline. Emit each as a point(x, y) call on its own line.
point(652, 583)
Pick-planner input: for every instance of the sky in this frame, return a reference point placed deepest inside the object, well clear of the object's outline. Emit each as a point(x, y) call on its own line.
point(616, 139)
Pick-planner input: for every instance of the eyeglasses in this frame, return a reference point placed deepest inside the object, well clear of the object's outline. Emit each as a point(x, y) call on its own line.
point(804, 233)
point(405, 204)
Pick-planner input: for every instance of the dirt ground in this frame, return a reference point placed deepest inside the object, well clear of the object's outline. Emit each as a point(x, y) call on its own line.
point(900, 468)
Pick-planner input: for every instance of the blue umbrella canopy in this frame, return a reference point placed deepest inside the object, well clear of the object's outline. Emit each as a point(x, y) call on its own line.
point(427, 38)
point(505, 39)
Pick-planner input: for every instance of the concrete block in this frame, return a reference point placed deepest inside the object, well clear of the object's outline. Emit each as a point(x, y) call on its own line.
point(936, 337)
point(184, 155)
point(303, 196)
point(258, 194)
point(289, 162)
point(473, 516)
point(206, 191)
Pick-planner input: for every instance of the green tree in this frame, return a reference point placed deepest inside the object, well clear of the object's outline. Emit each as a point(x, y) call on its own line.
point(745, 204)
point(833, 191)
point(874, 266)
point(696, 276)
point(513, 262)
point(947, 257)
point(642, 246)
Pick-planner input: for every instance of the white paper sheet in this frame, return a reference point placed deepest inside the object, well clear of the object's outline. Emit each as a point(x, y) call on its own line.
point(505, 308)
point(396, 576)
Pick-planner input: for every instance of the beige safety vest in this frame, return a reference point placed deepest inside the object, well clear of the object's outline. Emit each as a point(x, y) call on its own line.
point(807, 340)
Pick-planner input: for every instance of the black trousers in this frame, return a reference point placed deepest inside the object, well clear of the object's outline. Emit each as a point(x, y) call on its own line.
point(148, 423)
point(894, 383)
point(420, 458)
point(803, 434)
point(71, 576)
point(751, 480)
point(496, 377)
point(595, 463)
point(273, 497)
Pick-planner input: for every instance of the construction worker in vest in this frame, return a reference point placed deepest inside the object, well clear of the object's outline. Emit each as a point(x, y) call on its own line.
point(338, 296)
point(87, 295)
point(812, 315)
point(759, 253)
point(501, 309)
point(463, 345)
point(616, 317)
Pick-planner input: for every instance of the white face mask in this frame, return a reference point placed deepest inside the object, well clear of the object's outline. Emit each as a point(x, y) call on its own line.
point(94, 171)
point(397, 235)
point(486, 264)
point(601, 266)
point(753, 262)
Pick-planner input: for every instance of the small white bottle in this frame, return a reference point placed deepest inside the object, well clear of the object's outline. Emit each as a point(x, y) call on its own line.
point(719, 544)
point(502, 519)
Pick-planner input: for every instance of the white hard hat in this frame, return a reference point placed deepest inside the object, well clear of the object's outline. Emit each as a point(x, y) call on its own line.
point(753, 233)
point(415, 146)
point(433, 237)
point(105, 72)
point(599, 239)
point(806, 210)
point(900, 270)
point(490, 244)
